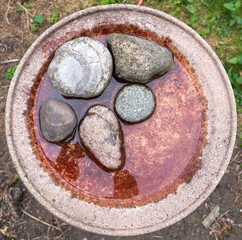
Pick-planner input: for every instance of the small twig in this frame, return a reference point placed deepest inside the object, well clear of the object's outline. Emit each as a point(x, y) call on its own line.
point(237, 197)
point(20, 223)
point(48, 233)
point(28, 235)
point(10, 61)
point(236, 156)
point(41, 237)
point(27, 14)
point(58, 237)
point(29, 198)
point(220, 217)
point(157, 237)
point(211, 229)
point(45, 223)
point(28, 203)
point(58, 223)
point(25, 9)
point(6, 13)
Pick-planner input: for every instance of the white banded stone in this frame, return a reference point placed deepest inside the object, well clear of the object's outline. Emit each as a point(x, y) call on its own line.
point(81, 68)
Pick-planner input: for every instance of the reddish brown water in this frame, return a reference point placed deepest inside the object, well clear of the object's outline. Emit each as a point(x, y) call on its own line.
point(161, 152)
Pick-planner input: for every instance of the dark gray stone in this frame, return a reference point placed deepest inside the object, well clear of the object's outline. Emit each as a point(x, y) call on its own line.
point(81, 68)
point(138, 60)
point(101, 134)
point(134, 103)
point(57, 120)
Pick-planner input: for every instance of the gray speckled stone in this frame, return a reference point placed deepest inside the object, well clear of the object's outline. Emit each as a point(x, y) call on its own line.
point(101, 134)
point(81, 68)
point(134, 103)
point(138, 60)
point(57, 120)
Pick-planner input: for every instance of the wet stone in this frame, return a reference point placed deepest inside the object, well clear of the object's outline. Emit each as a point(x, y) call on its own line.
point(81, 68)
point(134, 103)
point(57, 120)
point(138, 60)
point(101, 134)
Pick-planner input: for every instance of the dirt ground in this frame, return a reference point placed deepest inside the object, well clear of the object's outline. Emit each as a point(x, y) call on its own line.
point(27, 219)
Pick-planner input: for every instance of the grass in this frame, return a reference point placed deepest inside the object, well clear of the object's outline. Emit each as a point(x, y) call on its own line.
point(10, 72)
point(54, 16)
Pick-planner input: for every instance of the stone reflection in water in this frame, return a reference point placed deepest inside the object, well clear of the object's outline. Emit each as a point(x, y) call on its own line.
point(125, 185)
point(66, 165)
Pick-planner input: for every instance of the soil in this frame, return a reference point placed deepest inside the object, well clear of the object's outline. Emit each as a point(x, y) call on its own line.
point(27, 219)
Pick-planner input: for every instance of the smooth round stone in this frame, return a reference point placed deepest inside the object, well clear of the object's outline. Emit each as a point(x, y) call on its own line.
point(81, 68)
point(137, 60)
point(57, 120)
point(134, 103)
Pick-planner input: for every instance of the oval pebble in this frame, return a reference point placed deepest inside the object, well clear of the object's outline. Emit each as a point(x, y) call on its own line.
point(57, 120)
point(100, 132)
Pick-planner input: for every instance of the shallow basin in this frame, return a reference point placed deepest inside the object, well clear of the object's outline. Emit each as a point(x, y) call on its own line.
point(174, 160)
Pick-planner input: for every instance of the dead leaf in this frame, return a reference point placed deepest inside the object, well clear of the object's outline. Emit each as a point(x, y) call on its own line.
point(5, 231)
point(211, 216)
point(218, 234)
point(226, 227)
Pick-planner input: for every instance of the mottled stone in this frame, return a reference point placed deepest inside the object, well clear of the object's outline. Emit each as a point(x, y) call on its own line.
point(81, 68)
point(134, 103)
point(101, 134)
point(138, 60)
point(57, 120)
